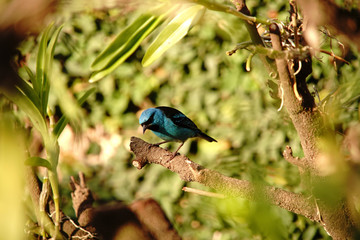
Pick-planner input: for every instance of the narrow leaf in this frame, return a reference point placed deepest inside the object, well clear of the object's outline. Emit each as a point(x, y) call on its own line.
point(85, 96)
point(29, 92)
point(49, 55)
point(26, 105)
point(171, 34)
point(127, 42)
point(51, 47)
point(30, 73)
point(28, 89)
point(119, 43)
point(127, 49)
point(63, 121)
point(38, 162)
point(40, 70)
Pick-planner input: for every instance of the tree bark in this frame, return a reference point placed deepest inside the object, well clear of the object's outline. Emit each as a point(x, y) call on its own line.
point(190, 171)
point(335, 216)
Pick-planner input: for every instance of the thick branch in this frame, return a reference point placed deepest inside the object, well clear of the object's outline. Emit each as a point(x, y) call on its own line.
point(192, 172)
point(303, 113)
point(308, 122)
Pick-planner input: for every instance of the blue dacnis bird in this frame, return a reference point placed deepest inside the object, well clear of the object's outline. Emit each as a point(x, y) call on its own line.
point(170, 125)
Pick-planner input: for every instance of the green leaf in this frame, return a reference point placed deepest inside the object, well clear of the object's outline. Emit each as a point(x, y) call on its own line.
point(51, 47)
point(85, 96)
point(40, 63)
point(38, 84)
point(38, 162)
point(119, 43)
point(60, 125)
point(44, 60)
point(63, 121)
point(27, 89)
point(171, 34)
point(26, 105)
point(49, 55)
point(30, 73)
point(124, 45)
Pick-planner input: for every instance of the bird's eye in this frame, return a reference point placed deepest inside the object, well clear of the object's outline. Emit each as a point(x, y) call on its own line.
point(149, 121)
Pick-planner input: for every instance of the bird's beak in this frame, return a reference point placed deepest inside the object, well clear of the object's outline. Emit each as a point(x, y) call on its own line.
point(145, 126)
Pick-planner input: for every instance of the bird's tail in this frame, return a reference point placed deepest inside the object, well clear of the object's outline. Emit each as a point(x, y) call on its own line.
point(206, 137)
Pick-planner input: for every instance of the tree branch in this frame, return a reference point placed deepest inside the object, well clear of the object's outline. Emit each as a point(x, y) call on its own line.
point(192, 172)
point(212, 5)
point(310, 127)
point(288, 155)
point(302, 111)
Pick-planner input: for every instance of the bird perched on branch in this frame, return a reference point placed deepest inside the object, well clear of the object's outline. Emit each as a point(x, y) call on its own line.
point(170, 125)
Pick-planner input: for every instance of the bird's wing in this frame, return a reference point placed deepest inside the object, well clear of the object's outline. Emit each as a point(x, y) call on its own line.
point(178, 117)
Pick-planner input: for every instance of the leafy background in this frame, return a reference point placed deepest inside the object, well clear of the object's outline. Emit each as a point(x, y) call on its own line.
point(214, 90)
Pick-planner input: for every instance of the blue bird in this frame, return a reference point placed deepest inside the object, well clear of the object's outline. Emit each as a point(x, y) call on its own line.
point(170, 125)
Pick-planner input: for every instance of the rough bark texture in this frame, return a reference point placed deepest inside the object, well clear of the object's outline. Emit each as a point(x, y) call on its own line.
point(303, 113)
point(192, 172)
point(335, 217)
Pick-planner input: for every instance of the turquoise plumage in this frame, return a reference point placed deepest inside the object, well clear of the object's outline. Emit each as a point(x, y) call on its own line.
point(170, 125)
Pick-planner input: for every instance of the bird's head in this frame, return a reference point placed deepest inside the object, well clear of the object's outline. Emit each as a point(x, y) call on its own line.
point(147, 119)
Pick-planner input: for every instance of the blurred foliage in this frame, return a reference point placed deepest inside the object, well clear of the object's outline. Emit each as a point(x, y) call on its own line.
point(214, 90)
point(12, 157)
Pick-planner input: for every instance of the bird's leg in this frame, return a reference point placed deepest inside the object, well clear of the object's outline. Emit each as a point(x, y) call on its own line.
point(174, 154)
point(157, 144)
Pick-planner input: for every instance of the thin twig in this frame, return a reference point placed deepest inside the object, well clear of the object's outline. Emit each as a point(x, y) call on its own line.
point(88, 235)
point(334, 56)
point(43, 199)
point(212, 5)
point(203, 193)
point(282, 98)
